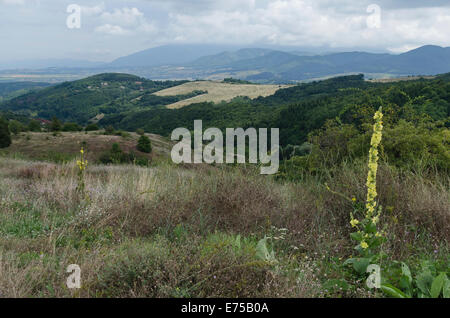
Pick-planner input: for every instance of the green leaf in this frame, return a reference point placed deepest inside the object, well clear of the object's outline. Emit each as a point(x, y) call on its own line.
point(371, 228)
point(237, 242)
point(424, 281)
point(437, 285)
point(393, 291)
point(261, 249)
point(405, 285)
point(360, 265)
point(407, 272)
point(446, 288)
point(357, 236)
point(263, 253)
point(350, 261)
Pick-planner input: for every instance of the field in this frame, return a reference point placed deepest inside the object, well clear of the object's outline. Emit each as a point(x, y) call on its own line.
point(195, 230)
point(217, 92)
point(65, 146)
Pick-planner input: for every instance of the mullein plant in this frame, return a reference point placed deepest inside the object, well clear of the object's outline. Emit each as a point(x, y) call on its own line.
point(365, 217)
point(82, 165)
point(365, 220)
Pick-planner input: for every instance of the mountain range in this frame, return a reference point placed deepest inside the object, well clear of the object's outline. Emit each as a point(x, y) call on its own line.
point(263, 65)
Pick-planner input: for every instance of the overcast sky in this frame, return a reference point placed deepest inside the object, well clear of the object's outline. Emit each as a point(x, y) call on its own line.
point(110, 29)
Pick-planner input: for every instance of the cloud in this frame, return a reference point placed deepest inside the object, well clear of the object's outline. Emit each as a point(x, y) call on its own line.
point(12, 2)
point(322, 25)
point(111, 29)
point(124, 21)
point(93, 11)
point(312, 23)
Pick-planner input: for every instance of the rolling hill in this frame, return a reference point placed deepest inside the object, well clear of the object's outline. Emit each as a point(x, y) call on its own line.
point(81, 100)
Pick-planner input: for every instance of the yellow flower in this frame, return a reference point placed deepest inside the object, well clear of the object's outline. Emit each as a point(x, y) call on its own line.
point(378, 234)
point(82, 151)
point(354, 222)
point(354, 199)
point(375, 219)
point(364, 245)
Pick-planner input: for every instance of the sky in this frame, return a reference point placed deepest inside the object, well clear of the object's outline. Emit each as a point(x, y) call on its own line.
point(38, 29)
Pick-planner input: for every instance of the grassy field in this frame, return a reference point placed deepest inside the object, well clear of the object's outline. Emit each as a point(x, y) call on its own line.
point(194, 230)
point(65, 146)
point(217, 92)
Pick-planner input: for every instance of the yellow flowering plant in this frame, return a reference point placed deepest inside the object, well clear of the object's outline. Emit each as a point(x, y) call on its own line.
point(365, 217)
point(82, 164)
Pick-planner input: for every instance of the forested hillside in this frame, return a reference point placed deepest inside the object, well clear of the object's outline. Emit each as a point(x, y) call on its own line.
point(82, 100)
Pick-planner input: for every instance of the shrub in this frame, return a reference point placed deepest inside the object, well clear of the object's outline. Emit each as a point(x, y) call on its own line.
point(16, 127)
point(140, 132)
point(5, 135)
point(91, 127)
point(71, 127)
point(118, 156)
point(122, 134)
point(109, 130)
point(55, 125)
point(144, 144)
point(34, 125)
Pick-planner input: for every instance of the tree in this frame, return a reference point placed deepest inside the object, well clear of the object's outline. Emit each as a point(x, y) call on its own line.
point(140, 131)
point(34, 125)
point(55, 124)
point(71, 127)
point(5, 135)
point(144, 144)
point(16, 127)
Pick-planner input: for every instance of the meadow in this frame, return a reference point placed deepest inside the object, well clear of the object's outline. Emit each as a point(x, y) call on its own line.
point(196, 230)
point(217, 92)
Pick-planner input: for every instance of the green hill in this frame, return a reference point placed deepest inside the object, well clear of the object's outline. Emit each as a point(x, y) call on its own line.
point(82, 100)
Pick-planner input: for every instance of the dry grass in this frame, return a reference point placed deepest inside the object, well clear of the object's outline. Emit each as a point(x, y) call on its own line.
point(217, 92)
point(66, 145)
point(169, 231)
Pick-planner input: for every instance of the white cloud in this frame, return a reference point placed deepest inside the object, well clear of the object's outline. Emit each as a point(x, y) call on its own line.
point(311, 23)
point(26, 24)
point(111, 29)
point(124, 21)
point(13, 2)
point(93, 11)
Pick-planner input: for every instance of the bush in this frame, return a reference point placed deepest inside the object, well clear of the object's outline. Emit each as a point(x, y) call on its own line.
point(144, 144)
point(140, 132)
point(118, 156)
point(122, 134)
point(71, 127)
point(109, 130)
point(92, 127)
point(16, 127)
point(5, 135)
point(55, 124)
point(34, 125)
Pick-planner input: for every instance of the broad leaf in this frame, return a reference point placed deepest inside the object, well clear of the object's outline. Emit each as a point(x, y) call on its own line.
point(360, 265)
point(437, 285)
point(393, 291)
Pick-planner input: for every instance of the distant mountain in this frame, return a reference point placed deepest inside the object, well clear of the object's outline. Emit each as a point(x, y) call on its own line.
point(169, 55)
point(262, 65)
point(48, 63)
point(227, 58)
point(278, 66)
